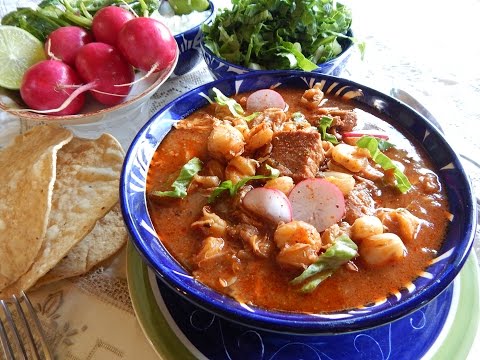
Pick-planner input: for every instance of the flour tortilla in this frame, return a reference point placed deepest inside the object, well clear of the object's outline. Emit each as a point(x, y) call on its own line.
point(86, 188)
point(27, 176)
point(107, 238)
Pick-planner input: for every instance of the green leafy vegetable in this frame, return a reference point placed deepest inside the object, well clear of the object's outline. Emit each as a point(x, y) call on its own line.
point(181, 183)
point(234, 107)
point(49, 15)
point(324, 123)
point(232, 188)
point(384, 144)
point(342, 251)
point(279, 34)
point(374, 146)
point(251, 116)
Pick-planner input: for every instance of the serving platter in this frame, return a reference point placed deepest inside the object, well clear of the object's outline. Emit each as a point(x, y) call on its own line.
point(443, 329)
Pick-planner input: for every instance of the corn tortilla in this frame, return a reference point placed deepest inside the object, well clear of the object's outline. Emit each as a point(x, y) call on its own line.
point(107, 238)
point(27, 176)
point(86, 188)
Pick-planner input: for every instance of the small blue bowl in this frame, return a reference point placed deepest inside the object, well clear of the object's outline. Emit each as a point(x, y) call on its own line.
point(221, 68)
point(433, 281)
point(189, 44)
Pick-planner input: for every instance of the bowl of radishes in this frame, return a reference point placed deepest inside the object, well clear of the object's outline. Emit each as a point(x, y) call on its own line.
point(114, 62)
point(234, 188)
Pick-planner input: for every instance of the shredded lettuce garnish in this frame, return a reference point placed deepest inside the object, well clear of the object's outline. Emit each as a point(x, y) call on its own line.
point(181, 183)
point(324, 123)
point(234, 107)
point(342, 251)
point(280, 34)
point(374, 146)
point(232, 188)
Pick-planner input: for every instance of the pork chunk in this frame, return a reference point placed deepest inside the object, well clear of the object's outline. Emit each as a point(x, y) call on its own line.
point(344, 120)
point(359, 202)
point(297, 154)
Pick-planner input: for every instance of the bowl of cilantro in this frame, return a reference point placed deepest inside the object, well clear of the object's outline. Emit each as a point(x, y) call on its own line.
point(310, 35)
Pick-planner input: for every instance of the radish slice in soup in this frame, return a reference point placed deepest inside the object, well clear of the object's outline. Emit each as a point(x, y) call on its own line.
point(317, 202)
point(270, 204)
point(264, 99)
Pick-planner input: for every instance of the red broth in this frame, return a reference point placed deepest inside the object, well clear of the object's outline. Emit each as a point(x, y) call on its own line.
point(256, 277)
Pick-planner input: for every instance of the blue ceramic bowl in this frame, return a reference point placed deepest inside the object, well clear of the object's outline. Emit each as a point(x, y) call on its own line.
point(220, 68)
point(189, 44)
point(425, 288)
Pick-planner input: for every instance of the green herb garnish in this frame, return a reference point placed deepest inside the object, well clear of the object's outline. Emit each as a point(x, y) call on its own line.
point(324, 123)
point(251, 116)
point(342, 251)
point(232, 188)
point(181, 183)
point(374, 145)
point(279, 34)
point(234, 107)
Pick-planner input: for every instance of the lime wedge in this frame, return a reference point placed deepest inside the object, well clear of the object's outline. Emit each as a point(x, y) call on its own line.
point(182, 7)
point(18, 51)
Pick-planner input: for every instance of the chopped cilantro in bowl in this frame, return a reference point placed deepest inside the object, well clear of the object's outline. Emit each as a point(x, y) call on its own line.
point(280, 34)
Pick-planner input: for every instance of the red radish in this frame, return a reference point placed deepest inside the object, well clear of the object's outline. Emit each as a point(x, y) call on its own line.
point(64, 43)
point(147, 44)
point(264, 99)
point(103, 66)
point(43, 88)
point(108, 21)
point(270, 204)
point(317, 202)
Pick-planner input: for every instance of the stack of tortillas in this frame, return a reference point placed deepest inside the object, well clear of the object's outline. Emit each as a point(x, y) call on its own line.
point(59, 213)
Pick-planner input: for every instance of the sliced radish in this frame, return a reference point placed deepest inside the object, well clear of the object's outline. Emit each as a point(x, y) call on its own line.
point(270, 204)
point(317, 202)
point(264, 99)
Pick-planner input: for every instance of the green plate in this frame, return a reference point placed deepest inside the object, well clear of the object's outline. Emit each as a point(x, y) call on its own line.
point(453, 342)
